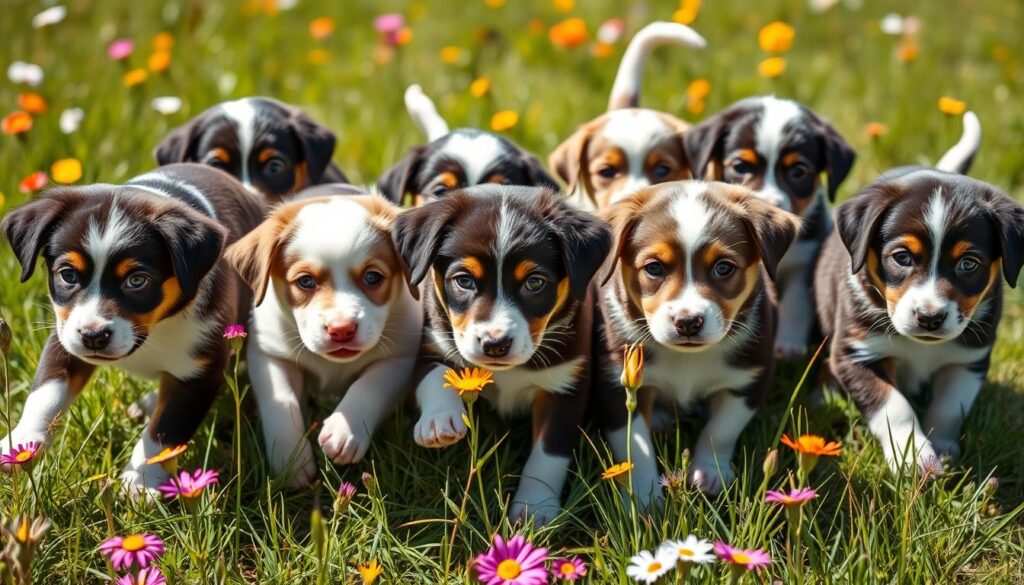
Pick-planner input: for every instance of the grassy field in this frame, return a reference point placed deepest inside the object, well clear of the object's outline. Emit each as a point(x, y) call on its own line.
point(865, 527)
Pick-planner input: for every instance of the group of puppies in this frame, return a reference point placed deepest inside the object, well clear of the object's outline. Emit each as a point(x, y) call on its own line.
point(710, 245)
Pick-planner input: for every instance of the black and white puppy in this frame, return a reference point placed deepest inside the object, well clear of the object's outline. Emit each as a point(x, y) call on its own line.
point(779, 149)
point(136, 280)
point(456, 159)
point(909, 291)
point(506, 273)
point(273, 148)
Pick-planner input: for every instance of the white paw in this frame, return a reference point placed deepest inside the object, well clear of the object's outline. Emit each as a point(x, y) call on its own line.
point(20, 438)
point(342, 442)
point(710, 477)
point(541, 512)
point(143, 407)
point(946, 447)
point(788, 349)
point(925, 459)
point(440, 429)
point(140, 484)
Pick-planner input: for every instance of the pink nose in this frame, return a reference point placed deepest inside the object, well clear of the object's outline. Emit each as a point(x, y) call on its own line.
point(341, 331)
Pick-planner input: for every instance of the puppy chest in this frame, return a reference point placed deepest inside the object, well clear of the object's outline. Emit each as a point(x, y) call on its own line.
point(688, 377)
point(514, 389)
point(915, 364)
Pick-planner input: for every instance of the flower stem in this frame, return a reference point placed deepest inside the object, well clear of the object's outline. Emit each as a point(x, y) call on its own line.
point(238, 458)
point(630, 408)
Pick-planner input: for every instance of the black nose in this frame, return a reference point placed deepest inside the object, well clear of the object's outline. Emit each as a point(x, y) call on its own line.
point(930, 321)
point(497, 347)
point(689, 325)
point(95, 338)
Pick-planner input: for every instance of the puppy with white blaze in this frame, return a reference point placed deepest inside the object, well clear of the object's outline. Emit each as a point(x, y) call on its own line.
point(688, 279)
point(333, 308)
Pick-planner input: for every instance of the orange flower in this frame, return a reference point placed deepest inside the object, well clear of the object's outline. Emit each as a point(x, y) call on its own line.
point(404, 36)
point(504, 120)
point(908, 51)
point(167, 454)
point(688, 11)
point(875, 129)
point(66, 171)
point(564, 5)
point(813, 445)
point(771, 67)
point(617, 470)
point(159, 61)
point(776, 37)
point(569, 33)
point(321, 28)
point(451, 54)
point(603, 50)
point(698, 89)
point(163, 41)
point(134, 77)
point(952, 106)
point(470, 380)
point(480, 87)
point(494, 3)
point(16, 123)
point(632, 366)
point(33, 182)
point(32, 102)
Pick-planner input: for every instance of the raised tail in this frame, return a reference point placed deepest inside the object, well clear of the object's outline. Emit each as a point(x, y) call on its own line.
point(626, 90)
point(424, 113)
point(959, 158)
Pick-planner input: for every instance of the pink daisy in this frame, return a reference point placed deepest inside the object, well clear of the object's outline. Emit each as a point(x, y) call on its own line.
point(189, 485)
point(797, 497)
point(120, 49)
point(516, 562)
point(137, 549)
point(22, 454)
point(568, 569)
point(751, 560)
point(234, 331)
point(147, 576)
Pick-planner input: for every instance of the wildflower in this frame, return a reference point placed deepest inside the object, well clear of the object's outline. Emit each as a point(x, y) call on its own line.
point(33, 182)
point(810, 447)
point(321, 28)
point(875, 129)
point(50, 16)
point(617, 470)
point(770, 464)
point(2, 199)
point(673, 479)
point(22, 538)
point(147, 576)
point(687, 12)
point(908, 50)
point(991, 486)
point(369, 482)
point(450, 54)
point(70, 120)
point(134, 77)
point(166, 105)
point(951, 106)
point(480, 87)
point(771, 67)
point(892, 24)
point(470, 380)
point(633, 366)
point(796, 497)
point(27, 73)
point(235, 331)
point(168, 458)
point(163, 41)
point(569, 33)
point(346, 491)
point(187, 485)
point(494, 3)
point(6, 335)
point(698, 90)
point(27, 533)
point(749, 560)
point(516, 562)
point(691, 550)
point(159, 61)
point(370, 571)
point(15, 123)
point(392, 29)
point(568, 568)
point(646, 567)
point(32, 102)
point(776, 37)
point(137, 549)
point(120, 49)
point(611, 30)
point(66, 171)
point(564, 5)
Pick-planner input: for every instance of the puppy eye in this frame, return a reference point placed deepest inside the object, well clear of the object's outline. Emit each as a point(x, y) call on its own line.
point(799, 172)
point(661, 170)
point(654, 269)
point(274, 166)
point(306, 282)
point(372, 277)
point(724, 268)
point(69, 276)
point(608, 172)
point(742, 167)
point(217, 163)
point(439, 190)
point(534, 284)
point(967, 265)
point(136, 280)
point(903, 258)
point(465, 282)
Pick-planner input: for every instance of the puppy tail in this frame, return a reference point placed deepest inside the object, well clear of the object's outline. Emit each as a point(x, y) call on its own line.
point(424, 113)
point(626, 90)
point(959, 158)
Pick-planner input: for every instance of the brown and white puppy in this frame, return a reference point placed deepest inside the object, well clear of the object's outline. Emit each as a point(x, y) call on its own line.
point(136, 281)
point(506, 273)
point(779, 149)
point(332, 306)
point(909, 291)
point(456, 159)
point(688, 280)
point(628, 147)
point(274, 149)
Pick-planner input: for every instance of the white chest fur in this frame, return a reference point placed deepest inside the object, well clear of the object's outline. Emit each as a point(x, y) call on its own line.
point(170, 347)
point(513, 390)
point(916, 363)
point(687, 377)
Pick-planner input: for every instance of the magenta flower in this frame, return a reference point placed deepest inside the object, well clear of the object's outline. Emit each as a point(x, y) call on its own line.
point(120, 49)
point(137, 549)
point(346, 490)
point(23, 453)
point(189, 485)
point(390, 27)
point(751, 560)
point(568, 568)
point(797, 497)
point(147, 576)
point(516, 562)
point(235, 331)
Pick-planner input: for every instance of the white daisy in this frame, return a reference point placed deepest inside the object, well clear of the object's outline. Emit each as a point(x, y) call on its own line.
point(645, 567)
point(70, 120)
point(167, 104)
point(27, 73)
point(51, 15)
point(689, 550)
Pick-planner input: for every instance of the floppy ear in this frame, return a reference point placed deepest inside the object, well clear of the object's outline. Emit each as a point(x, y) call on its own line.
point(253, 255)
point(536, 173)
point(179, 145)
point(773, 229)
point(585, 242)
point(1009, 216)
point(317, 144)
point(417, 233)
point(839, 156)
point(29, 227)
point(394, 183)
point(857, 220)
point(622, 216)
point(704, 143)
point(194, 242)
point(567, 160)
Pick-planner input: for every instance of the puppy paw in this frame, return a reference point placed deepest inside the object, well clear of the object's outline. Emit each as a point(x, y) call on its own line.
point(925, 459)
point(948, 448)
point(789, 349)
point(141, 484)
point(143, 407)
point(341, 442)
point(14, 440)
point(710, 477)
point(440, 429)
point(541, 512)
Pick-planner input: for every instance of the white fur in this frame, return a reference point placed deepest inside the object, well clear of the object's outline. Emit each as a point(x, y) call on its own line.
point(795, 316)
point(955, 159)
point(42, 407)
point(903, 440)
point(424, 113)
point(630, 73)
point(514, 389)
point(634, 131)
point(769, 135)
point(162, 179)
point(473, 153)
point(244, 116)
point(915, 362)
point(441, 412)
point(711, 469)
point(140, 479)
point(954, 389)
point(540, 487)
point(645, 463)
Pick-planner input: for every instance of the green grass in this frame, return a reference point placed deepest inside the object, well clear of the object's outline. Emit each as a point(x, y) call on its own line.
point(868, 526)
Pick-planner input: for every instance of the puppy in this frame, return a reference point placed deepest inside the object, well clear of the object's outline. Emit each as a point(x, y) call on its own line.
point(456, 159)
point(339, 312)
point(136, 281)
point(508, 271)
point(688, 280)
point(779, 149)
point(908, 290)
point(274, 149)
point(628, 147)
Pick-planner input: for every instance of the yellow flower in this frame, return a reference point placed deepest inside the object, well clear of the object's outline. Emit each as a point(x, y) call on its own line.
point(617, 470)
point(951, 106)
point(603, 50)
point(569, 33)
point(66, 171)
point(134, 77)
point(504, 120)
point(2, 200)
point(163, 41)
point(167, 454)
point(494, 3)
point(771, 67)
point(564, 5)
point(159, 61)
point(696, 92)
point(776, 37)
point(370, 571)
point(451, 54)
point(633, 366)
point(470, 380)
point(688, 11)
point(480, 86)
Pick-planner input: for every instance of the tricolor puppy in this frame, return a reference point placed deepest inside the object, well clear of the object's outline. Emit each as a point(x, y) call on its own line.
point(909, 291)
point(456, 159)
point(688, 281)
point(274, 149)
point(136, 281)
point(779, 149)
point(628, 147)
point(507, 272)
point(333, 307)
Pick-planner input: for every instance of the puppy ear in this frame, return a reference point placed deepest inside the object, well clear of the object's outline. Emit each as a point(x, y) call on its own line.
point(194, 242)
point(704, 143)
point(394, 183)
point(179, 145)
point(622, 216)
point(585, 241)
point(773, 229)
point(857, 220)
point(254, 254)
point(28, 228)
point(1008, 215)
point(317, 144)
point(383, 214)
point(839, 156)
point(417, 233)
point(536, 173)
point(567, 160)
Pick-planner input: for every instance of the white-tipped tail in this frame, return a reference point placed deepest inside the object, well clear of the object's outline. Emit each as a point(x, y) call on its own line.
point(424, 113)
point(959, 158)
point(626, 90)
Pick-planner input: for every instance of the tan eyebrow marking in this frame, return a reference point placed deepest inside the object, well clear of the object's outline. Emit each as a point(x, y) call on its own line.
point(221, 155)
point(748, 155)
point(913, 243)
point(473, 266)
point(791, 158)
point(523, 269)
point(961, 248)
point(266, 154)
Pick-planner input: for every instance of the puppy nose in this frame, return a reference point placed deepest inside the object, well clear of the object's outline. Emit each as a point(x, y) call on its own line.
point(688, 324)
point(341, 331)
point(930, 320)
point(497, 346)
point(98, 338)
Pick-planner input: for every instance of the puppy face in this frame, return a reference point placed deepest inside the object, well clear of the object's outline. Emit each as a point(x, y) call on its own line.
point(118, 262)
point(272, 148)
point(460, 159)
point(620, 152)
point(509, 266)
point(777, 148)
point(932, 245)
point(332, 266)
point(690, 255)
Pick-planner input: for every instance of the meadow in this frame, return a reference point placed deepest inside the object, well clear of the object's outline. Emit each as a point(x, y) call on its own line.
point(415, 515)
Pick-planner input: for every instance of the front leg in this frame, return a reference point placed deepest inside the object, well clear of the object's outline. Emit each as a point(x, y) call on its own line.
point(796, 305)
point(374, 395)
point(441, 411)
point(954, 389)
point(59, 379)
point(711, 469)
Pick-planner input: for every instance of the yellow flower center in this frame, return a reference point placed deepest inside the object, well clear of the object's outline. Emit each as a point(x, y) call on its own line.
point(23, 456)
point(685, 552)
point(654, 567)
point(509, 569)
point(740, 558)
point(133, 543)
point(23, 530)
point(567, 568)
